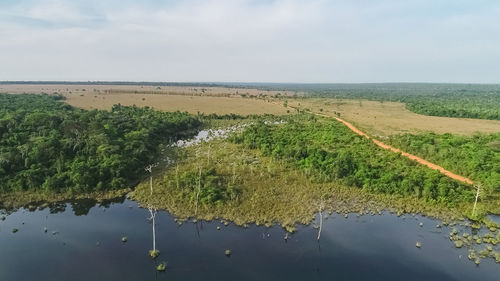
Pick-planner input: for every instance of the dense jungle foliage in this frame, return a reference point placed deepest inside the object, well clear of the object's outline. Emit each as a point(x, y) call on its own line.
point(329, 151)
point(46, 144)
point(477, 156)
point(452, 100)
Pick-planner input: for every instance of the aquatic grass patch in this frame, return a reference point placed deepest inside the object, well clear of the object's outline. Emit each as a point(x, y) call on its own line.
point(162, 266)
point(268, 191)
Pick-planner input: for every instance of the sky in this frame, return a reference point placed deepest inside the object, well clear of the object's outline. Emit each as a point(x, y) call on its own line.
point(351, 41)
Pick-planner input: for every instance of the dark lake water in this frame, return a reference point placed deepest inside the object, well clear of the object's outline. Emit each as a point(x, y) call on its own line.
point(83, 244)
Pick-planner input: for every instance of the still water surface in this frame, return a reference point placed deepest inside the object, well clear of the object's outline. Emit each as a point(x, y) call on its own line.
point(83, 242)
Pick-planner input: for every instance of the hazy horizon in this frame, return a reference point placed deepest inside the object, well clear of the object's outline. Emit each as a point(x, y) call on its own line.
point(251, 41)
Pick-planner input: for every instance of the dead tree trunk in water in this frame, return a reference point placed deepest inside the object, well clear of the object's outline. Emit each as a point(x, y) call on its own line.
point(153, 253)
point(320, 220)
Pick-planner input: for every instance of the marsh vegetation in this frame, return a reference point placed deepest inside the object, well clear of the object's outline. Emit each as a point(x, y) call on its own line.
point(281, 172)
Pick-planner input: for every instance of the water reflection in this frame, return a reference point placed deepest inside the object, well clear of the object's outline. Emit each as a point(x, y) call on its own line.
point(365, 248)
point(80, 207)
point(495, 218)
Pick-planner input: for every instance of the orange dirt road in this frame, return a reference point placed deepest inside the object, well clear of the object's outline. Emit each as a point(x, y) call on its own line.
point(408, 155)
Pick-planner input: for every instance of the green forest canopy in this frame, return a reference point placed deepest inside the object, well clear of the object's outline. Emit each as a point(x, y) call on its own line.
point(477, 156)
point(46, 144)
point(452, 100)
point(329, 151)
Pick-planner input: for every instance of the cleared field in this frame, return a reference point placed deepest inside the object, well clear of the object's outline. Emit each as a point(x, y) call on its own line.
point(133, 89)
point(388, 118)
point(206, 100)
point(191, 104)
point(378, 119)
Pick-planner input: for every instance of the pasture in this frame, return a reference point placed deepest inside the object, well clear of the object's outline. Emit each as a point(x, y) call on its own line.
point(389, 118)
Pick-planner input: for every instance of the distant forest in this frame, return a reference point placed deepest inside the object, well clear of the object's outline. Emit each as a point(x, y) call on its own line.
point(480, 101)
point(451, 100)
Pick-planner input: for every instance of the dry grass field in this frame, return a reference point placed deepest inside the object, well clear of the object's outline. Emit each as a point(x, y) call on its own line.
point(132, 89)
point(387, 118)
point(206, 100)
point(375, 118)
point(166, 102)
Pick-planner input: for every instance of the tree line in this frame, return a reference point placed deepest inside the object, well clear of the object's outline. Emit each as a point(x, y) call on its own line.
point(480, 101)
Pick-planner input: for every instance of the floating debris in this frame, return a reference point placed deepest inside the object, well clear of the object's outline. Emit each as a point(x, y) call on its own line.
point(227, 252)
point(162, 266)
point(124, 239)
point(421, 224)
point(418, 245)
point(14, 230)
point(45, 230)
point(218, 227)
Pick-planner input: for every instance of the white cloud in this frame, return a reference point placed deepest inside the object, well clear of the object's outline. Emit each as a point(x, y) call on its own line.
point(281, 41)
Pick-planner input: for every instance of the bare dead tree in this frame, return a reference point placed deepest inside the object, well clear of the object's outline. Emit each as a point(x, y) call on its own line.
point(149, 169)
point(153, 253)
point(177, 175)
point(478, 187)
point(208, 154)
point(234, 172)
point(320, 219)
point(198, 193)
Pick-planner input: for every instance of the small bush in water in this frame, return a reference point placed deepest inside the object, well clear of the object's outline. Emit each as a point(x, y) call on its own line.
point(162, 266)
